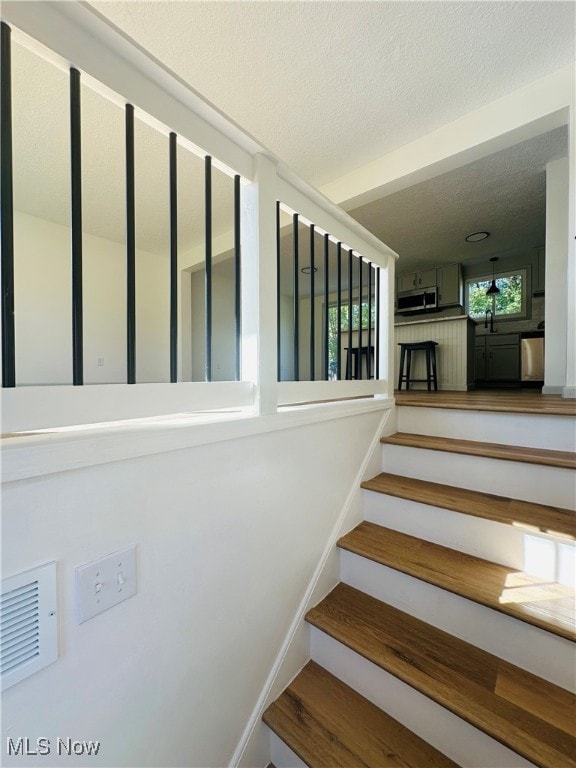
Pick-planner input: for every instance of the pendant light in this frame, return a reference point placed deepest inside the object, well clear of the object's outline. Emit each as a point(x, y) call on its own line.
point(493, 290)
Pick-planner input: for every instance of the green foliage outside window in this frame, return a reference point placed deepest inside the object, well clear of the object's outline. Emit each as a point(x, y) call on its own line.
point(357, 314)
point(507, 302)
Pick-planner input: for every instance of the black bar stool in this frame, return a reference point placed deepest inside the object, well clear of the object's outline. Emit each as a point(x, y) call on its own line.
point(430, 348)
point(355, 357)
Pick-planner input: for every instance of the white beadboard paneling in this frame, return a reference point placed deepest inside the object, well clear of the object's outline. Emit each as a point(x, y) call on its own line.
point(452, 351)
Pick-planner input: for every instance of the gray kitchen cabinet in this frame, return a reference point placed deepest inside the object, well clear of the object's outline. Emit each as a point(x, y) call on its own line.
point(504, 362)
point(427, 278)
point(406, 282)
point(539, 272)
point(449, 281)
point(411, 281)
point(497, 358)
point(480, 361)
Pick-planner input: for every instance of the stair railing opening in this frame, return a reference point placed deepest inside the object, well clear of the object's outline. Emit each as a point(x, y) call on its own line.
point(328, 305)
point(126, 220)
point(159, 214)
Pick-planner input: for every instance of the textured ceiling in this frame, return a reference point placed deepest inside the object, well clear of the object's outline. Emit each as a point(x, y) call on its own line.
point(325, 85)
point(504, 194)
point(331, 85)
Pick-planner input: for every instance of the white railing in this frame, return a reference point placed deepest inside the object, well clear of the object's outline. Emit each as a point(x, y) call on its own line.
point(71, 34)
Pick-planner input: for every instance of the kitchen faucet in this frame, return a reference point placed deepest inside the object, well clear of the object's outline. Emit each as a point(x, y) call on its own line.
point(489, 312)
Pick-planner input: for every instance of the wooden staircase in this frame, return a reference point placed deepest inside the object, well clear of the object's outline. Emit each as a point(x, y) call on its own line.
point(438, 647)
point(328, 723)
point(532, 599)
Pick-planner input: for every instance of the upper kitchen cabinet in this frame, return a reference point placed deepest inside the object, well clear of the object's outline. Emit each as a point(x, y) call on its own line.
point(449, 281)
point(414, 280)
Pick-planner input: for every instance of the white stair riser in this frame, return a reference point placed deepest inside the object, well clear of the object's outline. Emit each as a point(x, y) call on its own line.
point(281, 754)
point(446, 732)
point(540, 652)
point(553, 486)
point(527, 550)
point(533, 430)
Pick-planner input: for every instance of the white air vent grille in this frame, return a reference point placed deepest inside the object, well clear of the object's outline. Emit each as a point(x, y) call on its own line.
point(28, 623)
point(20, 626)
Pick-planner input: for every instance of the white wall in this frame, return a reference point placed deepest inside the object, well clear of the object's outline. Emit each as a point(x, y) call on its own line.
point(43, 309)
point(557, 297)
point(222, 327)
point(570, 389)
point(286, 338)
point(223, 331)
point(304, 347)
point(228, 537)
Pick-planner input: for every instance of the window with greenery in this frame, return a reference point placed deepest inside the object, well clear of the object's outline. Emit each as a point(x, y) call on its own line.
point(510, 302)
point(358, 313)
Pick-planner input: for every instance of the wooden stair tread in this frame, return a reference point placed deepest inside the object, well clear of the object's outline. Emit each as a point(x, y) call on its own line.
point(529, 715)
point(539, 517)
point(327, 723)
point(505, 401)
point(564, 459)
point(535, 600)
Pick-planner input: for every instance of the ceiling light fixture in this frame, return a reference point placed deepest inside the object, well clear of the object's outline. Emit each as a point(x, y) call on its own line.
point(493, 290)
point(306, 270)
point(475, 237)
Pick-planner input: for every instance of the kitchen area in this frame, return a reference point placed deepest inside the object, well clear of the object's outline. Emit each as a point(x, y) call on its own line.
point(457, 232)
point(486, 317)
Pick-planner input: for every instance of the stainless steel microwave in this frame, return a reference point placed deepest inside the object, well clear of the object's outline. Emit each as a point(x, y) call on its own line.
point(413, 302)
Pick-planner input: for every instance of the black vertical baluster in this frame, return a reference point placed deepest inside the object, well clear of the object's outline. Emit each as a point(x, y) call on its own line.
point(377, 339)
point(349, 363)
point(326, 308)
point(76, 225)
point(369, 353)
point(312, 308)
point(278, 293)
point(208, 262)
point(359, 365)
point(130, 250)
point(237, 278)
point(173, 260)
point(339, 311)
point(296, 300)
point(7, 215)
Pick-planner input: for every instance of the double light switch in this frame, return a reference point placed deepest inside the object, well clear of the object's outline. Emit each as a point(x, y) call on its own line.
point(104, 583)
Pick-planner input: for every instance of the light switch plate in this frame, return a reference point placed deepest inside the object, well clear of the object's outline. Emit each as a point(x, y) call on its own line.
point(104, 583)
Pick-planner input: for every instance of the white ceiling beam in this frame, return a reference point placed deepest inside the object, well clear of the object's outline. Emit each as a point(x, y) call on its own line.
point(530, 111)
